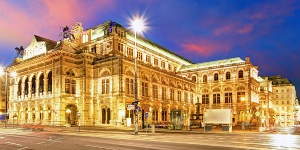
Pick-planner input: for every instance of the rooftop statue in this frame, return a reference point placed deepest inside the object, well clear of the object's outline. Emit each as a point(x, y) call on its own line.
point(20, 51)
point(66, 33)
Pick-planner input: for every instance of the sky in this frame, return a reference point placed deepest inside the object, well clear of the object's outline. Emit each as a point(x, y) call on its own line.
point(267, 31)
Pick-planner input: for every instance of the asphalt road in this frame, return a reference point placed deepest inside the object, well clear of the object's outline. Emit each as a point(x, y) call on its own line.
point(15, 139)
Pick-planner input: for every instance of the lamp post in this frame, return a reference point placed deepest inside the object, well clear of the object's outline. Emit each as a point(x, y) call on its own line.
point(78, 114)
point(137, 26)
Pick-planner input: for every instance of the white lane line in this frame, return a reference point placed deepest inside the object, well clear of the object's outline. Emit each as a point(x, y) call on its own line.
point(13, 144)
point(101, 147)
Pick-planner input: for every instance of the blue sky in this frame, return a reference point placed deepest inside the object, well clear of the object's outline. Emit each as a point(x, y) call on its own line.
point(199, 30)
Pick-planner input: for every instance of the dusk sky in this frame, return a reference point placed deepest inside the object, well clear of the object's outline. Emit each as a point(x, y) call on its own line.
point(199, 30)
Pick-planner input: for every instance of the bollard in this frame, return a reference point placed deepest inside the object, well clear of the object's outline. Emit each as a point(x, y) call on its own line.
point(153, 128)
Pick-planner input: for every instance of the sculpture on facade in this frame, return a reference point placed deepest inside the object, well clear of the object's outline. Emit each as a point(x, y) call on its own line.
point(20, 51)
point(66, 33)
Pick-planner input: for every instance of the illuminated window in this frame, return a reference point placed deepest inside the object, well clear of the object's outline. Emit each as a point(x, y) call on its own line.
point(145, 89)
point(227, 75)
point(179, 95)
point(139, 55)
point(120, 47)
point(148, 59)
point(105, 86)
point(241, 74)
point(194, 78)
point(156, 61)
point(70, 83)
point(172, 94)
point(129, 52)
point(163, 65)
point(216, 77)
point(240, 96)
point(155, 91)
point(228, 97)
point(129, 86)
point(205, 78)
point(216, 99)
point(205, 99)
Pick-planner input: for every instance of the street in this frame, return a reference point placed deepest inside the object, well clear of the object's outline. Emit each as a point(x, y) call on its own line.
point(16, 139)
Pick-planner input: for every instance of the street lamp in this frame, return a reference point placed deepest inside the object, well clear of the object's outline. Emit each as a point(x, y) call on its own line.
point(137, 26)
point(68, 112)
point(13, 74)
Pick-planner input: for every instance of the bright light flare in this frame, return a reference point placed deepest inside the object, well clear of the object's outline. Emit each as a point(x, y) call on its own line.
point(138, 25)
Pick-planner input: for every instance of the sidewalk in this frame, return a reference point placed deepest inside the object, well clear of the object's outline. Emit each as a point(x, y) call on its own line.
point(141, 131)
point(122, 129)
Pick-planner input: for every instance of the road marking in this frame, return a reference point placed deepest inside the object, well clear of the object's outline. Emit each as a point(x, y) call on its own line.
point(13, 143)
point(101, 147)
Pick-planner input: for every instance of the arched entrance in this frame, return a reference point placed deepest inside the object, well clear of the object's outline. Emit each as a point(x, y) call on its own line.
point(105, 115)
point(71, 114)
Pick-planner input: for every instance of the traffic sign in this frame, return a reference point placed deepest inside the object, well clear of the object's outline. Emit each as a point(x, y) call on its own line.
point(135, 103)
point(130, 107)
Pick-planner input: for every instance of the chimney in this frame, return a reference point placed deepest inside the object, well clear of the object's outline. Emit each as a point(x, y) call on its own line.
point(247, 60)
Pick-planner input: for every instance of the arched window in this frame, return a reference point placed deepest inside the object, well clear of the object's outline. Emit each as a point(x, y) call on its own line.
point(19, 88)
point(194, 78)
point(26, 87)
point(50, 81)
point(33, 85)
point(41, 83)
point(70, 83)
point(241, 74)
point(216, 77)
point(205, 78)
point(227, 75)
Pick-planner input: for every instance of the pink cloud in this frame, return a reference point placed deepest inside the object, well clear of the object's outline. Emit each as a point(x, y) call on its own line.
point(205, 47)
point(224, 29)
point(19, 22)
point(246, 29)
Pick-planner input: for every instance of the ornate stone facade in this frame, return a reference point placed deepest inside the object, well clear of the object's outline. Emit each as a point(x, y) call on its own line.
point(94, 75)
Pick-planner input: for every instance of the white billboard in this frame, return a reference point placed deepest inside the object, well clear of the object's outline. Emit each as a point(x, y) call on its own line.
point(217, 116)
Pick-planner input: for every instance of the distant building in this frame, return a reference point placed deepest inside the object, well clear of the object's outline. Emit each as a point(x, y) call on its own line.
point(2, 94)
point(265, 113)
point(284, 98)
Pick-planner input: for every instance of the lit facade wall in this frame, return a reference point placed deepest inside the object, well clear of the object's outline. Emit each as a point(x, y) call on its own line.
point(230, 83)
point(93, 75)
